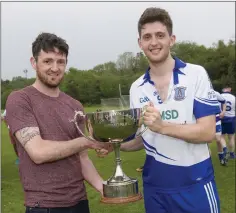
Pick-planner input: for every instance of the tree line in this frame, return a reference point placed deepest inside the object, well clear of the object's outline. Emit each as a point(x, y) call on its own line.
point(90, 86)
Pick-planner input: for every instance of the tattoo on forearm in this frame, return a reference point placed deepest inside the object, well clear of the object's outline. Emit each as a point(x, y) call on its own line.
point(27, 134)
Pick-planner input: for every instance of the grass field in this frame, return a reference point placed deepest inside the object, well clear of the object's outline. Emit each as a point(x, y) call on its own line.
point(12, 194)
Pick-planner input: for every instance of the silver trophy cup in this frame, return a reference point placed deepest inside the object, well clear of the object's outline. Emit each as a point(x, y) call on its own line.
point(115, 127)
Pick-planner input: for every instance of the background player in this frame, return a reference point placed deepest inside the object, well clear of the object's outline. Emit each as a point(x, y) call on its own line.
point(228, 122)
point(221, 146)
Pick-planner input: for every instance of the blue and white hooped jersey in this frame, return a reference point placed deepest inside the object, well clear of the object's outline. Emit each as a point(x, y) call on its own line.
point(230, 107)
point(172, 163)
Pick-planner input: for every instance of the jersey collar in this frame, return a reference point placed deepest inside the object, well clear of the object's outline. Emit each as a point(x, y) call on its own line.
point(176, 72)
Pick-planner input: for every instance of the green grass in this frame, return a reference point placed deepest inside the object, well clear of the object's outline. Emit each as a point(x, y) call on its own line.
point(12, 194)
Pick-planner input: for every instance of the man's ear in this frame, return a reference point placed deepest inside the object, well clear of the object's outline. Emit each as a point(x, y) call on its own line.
point(172, 41)
point(33, 62)
point(140, 44)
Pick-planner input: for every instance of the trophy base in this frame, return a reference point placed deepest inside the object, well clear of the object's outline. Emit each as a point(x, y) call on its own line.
point(122, 192)
point(121, 200)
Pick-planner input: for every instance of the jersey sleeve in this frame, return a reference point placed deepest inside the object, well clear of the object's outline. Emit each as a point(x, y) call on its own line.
point(19, 112)
point(205, 101)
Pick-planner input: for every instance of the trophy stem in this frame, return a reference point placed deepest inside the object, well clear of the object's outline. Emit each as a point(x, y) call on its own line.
point(118, 176)
point(116, 147)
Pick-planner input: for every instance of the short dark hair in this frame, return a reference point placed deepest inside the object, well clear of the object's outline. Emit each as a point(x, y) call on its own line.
point(48, 42)
point(227, 85)
point(153, 14)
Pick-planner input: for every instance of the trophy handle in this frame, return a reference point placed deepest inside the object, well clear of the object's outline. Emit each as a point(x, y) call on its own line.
point(140, 133)
point(87, 124)
point(140, 123)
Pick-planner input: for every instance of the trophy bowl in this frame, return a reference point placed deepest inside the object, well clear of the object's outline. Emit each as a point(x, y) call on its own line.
point(115, 127)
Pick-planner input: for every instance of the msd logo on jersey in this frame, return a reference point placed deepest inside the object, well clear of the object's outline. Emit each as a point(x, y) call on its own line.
point(169, 114)
point(144, 99)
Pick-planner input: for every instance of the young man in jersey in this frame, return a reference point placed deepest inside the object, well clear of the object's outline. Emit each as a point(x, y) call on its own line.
point(178, 174)
point(53, 155)
point(229, 120)
point(222, 149)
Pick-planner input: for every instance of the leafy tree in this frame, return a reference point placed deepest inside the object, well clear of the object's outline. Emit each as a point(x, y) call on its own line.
point(90, 86)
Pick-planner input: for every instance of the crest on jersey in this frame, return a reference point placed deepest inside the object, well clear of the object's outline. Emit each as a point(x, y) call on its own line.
point(180, 93)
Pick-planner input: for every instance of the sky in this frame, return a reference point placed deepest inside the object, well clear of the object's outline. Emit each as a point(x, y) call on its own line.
point(100, 32)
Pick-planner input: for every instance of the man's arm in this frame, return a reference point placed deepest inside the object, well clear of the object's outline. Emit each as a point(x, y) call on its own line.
point(90, 173)
point(222, 114)
point(42, 151)
point(222, 101)
point(133, 145)
point(201, 132)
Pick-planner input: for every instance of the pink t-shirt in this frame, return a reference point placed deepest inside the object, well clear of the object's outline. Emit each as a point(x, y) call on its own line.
point(54, 184)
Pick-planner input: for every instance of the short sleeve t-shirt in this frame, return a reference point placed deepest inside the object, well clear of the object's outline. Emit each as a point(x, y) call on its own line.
point(54, 184)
